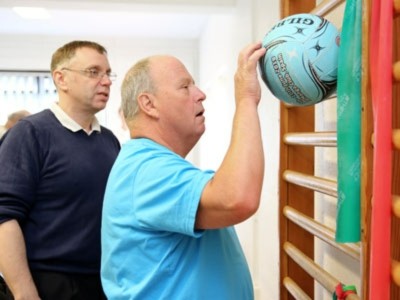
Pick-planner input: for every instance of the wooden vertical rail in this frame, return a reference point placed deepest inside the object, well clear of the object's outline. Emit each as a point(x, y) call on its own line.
point(295, 119)
point(366, 151)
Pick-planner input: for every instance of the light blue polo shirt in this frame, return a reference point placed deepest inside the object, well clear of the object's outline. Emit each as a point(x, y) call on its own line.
point(150, 249)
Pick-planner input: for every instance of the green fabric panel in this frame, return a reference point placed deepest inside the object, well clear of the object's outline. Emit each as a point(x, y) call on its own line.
point(349, 125)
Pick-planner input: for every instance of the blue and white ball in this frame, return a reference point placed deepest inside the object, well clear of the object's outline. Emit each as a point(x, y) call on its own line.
point(300, 65)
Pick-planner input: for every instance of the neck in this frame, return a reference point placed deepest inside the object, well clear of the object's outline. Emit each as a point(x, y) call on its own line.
point(83, 118)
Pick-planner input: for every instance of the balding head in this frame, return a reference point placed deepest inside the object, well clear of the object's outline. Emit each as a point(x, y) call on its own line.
point(139, 79)
point(15, 117)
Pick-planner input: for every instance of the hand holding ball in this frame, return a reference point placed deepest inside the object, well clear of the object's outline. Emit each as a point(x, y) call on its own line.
point(300, 65)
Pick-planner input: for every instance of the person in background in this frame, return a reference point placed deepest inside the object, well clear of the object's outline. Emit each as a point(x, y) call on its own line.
point(167, 226)
point(54, 167)
point(12, 120)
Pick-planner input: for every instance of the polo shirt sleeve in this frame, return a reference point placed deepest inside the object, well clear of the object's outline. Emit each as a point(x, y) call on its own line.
point(167, 194)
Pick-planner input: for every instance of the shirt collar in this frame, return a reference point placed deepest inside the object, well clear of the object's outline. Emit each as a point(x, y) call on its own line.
point(69, 123)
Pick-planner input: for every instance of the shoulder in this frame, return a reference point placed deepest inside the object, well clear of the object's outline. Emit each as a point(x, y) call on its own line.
point(42, 116)
point(110, 136)
point(107, 132)
point(41, 121)
point(148, 158)
point(144, 150)
point(35, 129)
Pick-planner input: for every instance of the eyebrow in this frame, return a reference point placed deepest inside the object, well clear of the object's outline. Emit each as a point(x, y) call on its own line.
point(96, 67)
point(186, 80)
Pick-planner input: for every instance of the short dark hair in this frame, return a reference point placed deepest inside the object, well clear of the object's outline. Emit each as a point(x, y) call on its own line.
point(67, 51)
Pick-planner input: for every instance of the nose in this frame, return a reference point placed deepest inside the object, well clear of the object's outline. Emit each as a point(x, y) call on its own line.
point(106, 79)
point(202, 95)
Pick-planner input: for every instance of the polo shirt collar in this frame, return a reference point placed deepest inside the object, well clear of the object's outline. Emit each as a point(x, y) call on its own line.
point(69, 123)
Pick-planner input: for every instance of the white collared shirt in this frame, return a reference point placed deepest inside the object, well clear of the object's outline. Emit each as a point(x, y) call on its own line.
point(69, 123)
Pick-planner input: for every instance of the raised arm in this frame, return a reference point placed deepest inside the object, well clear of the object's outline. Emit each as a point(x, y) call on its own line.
point(233, 195)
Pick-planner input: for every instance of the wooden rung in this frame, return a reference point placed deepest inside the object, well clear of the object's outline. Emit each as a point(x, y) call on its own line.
point(308, 265)
point(294, 289)
point(396, 272)
point(396, 138)
point(396, 205)
point(288, 106)
point(322, 139)
point(326, 6)
point(321, 231)
point(319, 274)
point(322, 185)
point(396, 70)
point(396, 5)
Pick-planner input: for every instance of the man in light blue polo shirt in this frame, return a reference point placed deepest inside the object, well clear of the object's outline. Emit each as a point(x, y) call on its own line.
point(167, 226)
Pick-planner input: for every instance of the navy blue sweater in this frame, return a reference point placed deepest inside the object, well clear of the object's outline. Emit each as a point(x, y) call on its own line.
point(52, 180)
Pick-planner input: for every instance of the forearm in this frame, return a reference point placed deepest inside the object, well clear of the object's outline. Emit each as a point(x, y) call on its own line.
point(13, 262)
point(242, 169)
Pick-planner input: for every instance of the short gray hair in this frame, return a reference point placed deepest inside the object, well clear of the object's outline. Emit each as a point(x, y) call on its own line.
point(137, 80)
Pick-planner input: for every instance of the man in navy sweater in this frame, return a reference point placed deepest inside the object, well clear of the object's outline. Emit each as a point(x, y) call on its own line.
point(54, 167)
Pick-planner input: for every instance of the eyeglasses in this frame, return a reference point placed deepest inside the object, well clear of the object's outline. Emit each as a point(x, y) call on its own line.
point(94, 73)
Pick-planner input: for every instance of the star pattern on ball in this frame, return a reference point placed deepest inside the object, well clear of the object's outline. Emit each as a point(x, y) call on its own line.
point(317, 47)
point(299, 30)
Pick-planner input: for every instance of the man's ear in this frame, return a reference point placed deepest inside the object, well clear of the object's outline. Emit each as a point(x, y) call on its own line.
point(146, 103)
point(59, 80)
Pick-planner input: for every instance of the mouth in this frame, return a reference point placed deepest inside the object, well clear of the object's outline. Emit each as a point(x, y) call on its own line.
point(105, 94)
point(200, 114)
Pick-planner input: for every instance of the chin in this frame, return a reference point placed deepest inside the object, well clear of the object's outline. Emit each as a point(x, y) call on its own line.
point(199, 135)
point(100, 106)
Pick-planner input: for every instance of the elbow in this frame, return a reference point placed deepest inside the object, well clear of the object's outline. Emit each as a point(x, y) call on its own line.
point(246, 206)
